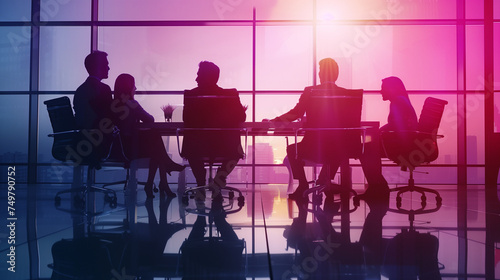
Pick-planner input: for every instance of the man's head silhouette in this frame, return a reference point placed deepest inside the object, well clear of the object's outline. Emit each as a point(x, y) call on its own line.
point(208, 74)
point(97, 64)
point(328, 70)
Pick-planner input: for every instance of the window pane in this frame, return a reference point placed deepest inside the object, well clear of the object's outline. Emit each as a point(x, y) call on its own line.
point(15, 10)
point(383, 9)
point(284, 10)
point(284, 57)
point(51, 10)
point(166, 58)
point(372, 52)
point(61, 60)
point(474, 57)
point(14, 140)
point(496, 9)
point(14, 58)
point(474, 9)
point(475, 133)
point(496, 55)
point(497, 112)
point(175, 10)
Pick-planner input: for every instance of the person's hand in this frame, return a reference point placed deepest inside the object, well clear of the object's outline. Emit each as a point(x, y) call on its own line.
point(266, 120)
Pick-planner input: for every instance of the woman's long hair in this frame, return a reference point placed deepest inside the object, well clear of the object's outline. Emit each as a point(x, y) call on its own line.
point(124, 85)
point(395, 86)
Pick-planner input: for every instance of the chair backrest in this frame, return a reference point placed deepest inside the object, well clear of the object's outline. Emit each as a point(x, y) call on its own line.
point(339, 109)
point(428, 125)
point(61, 114)
point(62, 119)
point(211, 111)
point(207, 112)
point(431, 115)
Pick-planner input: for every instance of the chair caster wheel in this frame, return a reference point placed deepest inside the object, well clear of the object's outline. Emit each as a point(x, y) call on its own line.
point(231, 195)
point(317, 199)
point(241, 201)
point(439, 201)
point(356, 201)
point(57, 201)
point(108, 198)
point(185, 200)
point(113, 203)
point(79, 202)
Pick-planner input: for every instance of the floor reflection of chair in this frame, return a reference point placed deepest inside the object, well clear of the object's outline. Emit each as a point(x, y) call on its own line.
point(334, 130)
point(422, 148)
point(213, 257)
point(411, 254)
point(90, 257)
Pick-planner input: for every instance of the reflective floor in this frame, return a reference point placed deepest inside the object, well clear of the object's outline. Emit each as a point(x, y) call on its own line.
point(254, 233)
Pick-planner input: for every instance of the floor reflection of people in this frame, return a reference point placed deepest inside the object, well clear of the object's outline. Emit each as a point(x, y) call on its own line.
point(324, 254)
point(153, 237)
point(212, 257)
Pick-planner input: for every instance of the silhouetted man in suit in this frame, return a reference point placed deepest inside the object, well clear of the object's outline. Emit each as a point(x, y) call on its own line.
point(92, 104)
point(328, 74)
point(211, 107)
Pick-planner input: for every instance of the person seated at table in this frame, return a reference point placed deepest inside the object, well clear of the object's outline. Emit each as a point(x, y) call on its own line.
point(92, 105)
point(402, 120)
point(141, 144)
point(370, 160)
point(210, 108)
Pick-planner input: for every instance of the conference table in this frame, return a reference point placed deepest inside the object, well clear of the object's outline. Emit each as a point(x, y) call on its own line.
point(368, 130)
point(264, 128)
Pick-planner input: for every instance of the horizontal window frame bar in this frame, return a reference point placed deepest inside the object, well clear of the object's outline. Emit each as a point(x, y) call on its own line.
point(249, 22)
point(249, 92)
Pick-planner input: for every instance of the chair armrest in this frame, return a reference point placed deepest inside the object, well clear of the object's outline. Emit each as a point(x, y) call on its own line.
point(416, 132)
point(63, 133)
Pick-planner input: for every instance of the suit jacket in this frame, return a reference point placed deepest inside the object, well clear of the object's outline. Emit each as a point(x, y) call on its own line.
point(92, 103)
point(212, 107)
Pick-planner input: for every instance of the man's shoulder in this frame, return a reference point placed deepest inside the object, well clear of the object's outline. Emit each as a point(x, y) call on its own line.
point(93, 84)
point(229, 91)
point(192, 92)
point(197, 91)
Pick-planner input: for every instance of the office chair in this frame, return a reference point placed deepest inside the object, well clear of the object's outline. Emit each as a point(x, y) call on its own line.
point(333, 132)
point(68, 140)
point(213, 138)
point(420, 147)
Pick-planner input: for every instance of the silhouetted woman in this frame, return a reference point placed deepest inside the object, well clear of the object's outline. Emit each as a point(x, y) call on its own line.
point(402, 121)
point(141, 144)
